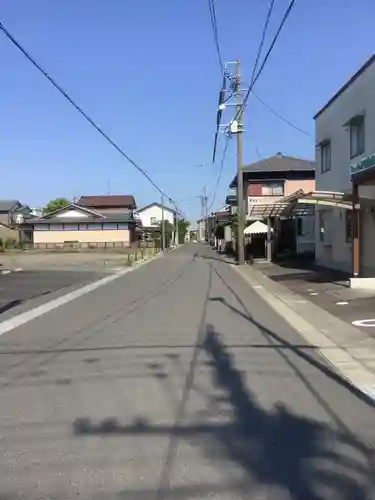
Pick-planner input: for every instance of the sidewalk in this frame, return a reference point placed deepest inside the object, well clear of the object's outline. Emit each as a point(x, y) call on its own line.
point(351, 350)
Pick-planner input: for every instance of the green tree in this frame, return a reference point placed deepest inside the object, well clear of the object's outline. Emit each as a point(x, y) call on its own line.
point(55, 205)
point(183, 227)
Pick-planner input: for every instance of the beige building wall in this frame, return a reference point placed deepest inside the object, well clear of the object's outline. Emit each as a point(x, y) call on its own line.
point(291, 187)
point(103, 236)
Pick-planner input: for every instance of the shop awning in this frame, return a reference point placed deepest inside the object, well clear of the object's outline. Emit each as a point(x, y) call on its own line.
point(327, 198)
point(363, 172)
point(300, 204)
point(283, 207)
point(256, 227)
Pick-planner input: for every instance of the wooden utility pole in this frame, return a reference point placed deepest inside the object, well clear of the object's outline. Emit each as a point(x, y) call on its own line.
point(162, 225)
point(240, 190)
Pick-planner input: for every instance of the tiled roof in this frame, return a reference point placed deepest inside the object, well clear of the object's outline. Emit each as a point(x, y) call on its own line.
point(118, 200)
point(280, 163)
point(6, 205)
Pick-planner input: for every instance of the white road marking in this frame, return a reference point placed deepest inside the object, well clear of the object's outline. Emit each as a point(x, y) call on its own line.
point(6, 271)
point(314, 293)
point(364, 322)
point(18, 269)
point(342, 303)
point(257, 286)
point(25, 317)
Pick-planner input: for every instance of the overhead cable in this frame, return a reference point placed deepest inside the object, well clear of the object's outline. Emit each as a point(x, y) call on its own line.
point(83, 113)
point(259, 72)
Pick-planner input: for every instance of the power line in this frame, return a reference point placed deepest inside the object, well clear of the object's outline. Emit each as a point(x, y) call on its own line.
point(213, 18)
point(80, 110)
point(262, 40)
point(275, 38)
point(280, 116)
point(220, 171)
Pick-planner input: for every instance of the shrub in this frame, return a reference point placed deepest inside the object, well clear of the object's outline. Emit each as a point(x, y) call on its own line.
point(11, 243)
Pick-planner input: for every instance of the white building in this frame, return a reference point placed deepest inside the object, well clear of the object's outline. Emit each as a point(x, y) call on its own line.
point(345, 143)
point(151, 215)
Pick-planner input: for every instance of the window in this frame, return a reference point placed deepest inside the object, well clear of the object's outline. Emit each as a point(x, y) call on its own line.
point(122, 225)
point(153, 221)
point(300, 228)
point(321, 226)
point(325, 156)
point(357, 136)
point(110, 225)
point(71, 227)
point(273, 189)
point(41, 227)
point(57, 227)
point(94, 226)
point(82, 227)
point(348, 226)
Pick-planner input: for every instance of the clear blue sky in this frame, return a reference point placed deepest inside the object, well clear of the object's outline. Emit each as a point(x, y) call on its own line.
point(146, 70)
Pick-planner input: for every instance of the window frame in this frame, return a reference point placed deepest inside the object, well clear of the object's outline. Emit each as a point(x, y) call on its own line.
point(300, 227)
point(357, 129)
point(71, 228)
point(41, 227)
point(325, 166)
point(273, 186)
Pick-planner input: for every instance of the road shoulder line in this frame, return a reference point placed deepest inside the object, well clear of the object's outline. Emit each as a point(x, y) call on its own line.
point(352, 367)
point(26, 316)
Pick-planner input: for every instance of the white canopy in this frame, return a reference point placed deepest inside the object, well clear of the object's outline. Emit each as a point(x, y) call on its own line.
point(256, 227)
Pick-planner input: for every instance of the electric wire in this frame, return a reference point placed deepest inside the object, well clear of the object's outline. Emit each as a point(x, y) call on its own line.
point(82, 112)
point(266, 57)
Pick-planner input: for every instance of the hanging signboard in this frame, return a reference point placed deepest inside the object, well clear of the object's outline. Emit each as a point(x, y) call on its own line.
point(362, 165)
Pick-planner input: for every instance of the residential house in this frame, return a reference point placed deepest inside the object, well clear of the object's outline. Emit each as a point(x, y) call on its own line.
point(151, 215)
point(109, 203)
point(94, 221)
point(345, 151)
point(271, 186)
point(12, 214)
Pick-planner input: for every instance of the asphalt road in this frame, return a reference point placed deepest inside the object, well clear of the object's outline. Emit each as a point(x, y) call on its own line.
point(329, 290)
point(17, 288)
point(177, 382)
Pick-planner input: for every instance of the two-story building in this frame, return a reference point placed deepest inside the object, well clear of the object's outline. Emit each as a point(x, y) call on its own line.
point(151, 215)
point(270, 187)
point(345, 153)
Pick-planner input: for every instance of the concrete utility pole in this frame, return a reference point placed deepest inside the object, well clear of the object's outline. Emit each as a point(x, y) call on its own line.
point(240, 190)
point(206, 212)
point(176, 235)
point(162, 225)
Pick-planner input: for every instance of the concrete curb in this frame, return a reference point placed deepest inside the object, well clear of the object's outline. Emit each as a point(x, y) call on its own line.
point(350, 356)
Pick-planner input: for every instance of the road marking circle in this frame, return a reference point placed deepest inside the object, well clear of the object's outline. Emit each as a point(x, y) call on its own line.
point(364, 322)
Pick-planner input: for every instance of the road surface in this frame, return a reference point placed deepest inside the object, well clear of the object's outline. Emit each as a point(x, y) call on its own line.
point(176, 382)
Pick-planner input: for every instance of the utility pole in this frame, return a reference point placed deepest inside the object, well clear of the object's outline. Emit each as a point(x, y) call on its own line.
point(176, 235)
point(240, 191)
point(162, 225)
point(205, 198)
